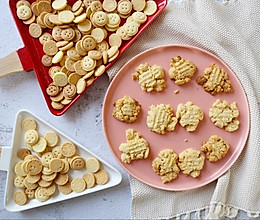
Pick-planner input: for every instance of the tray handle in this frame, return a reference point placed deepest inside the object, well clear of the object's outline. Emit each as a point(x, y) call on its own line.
point(16, 62)
point(5, 156)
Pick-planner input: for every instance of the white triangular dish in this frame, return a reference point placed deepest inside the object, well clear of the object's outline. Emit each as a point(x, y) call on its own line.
point(8, 160)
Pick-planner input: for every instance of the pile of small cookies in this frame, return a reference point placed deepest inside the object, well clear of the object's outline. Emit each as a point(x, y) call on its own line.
point(80, 40)
point(45, 165)
point(160, 118)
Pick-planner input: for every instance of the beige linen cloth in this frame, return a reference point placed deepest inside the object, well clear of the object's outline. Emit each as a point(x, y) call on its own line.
point(232, 32)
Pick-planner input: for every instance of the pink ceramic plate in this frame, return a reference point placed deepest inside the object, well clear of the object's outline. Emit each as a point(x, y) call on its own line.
point(124, 85)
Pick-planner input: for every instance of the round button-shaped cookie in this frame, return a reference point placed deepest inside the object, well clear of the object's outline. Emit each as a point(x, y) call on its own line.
point(20, 198)
point(76, 6)
point(88, 42)
point(68, 34)
point(39, 195)
point(46, 158)
point(22, 2)
point(84, 26)
point(96, 6)
point(95, 54)
point(102, 46)
point(92, 164)
point(74, 77)
point(78, 163)
point(62, 179)
point(113, 19)
point(22, 153)
point(89, 179)
point(88, 63)
point(60, 79)
point(18, 169)
point(69, 64)
point(50, 48)
point(80, 18)
point(59, 4)
point(49, 191)
point(73, 54)
point(66, 167)
point(19, 182)
point(69, 91)
point(34, 167)
point(46, 60)
point(57, 105)
point(35, 30)
point(29, 185)
point(109, 5)
point(56, 165)
point(57, 152)
point(30, 193)
point(40, 145)
point(100, 18)
point(98, 34)
point(33, 179)
point(131, 28)
point(24, 12)
point(65, 189)
point(150, 8)
point(101, 177)
point(30, 20)
point(50, 176)
point(78, 185)
point(66, 16)
point(52, 90)
point(31, 137)
point(52, 138)
point(68, 149)
point(139, 17)
point(29, 124)
point(115, 40)
point(122, 33)
point(56, 33)
point(100, 70)
point(138, 5)
point(124, 7)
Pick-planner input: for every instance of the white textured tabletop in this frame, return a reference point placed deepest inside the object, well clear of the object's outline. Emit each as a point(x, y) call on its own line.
point(83, 123)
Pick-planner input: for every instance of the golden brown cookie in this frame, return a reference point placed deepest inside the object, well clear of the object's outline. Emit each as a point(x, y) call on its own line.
point(181, 70)
point(189, 115)
point(101, 177)
point(150, 77)
point(215, 148)
point(215, 80)
point(22, 153)
point(126, 109)
point(20, 198)
point(225, 115)
point(29, 124)
point(191, 162)
point(166, 166)
point(135, 148)
point(160, 118)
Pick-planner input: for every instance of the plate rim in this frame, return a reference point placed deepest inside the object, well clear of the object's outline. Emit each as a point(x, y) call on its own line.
point(221, 171)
